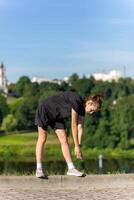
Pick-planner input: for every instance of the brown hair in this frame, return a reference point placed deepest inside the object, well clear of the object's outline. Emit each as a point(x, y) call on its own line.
point(97, 99)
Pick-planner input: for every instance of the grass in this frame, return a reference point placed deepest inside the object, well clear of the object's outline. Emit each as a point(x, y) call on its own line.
point(22, 147)
point(12, 100)
point(18, 139)
point(109, 153)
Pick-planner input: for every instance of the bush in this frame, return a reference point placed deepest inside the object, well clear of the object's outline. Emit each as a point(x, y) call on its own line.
point(9, 123)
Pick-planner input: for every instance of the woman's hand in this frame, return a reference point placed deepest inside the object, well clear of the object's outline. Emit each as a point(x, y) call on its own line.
point(78, 153)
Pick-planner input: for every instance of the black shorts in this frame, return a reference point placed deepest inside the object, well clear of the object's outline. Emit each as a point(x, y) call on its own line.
point(42, 120)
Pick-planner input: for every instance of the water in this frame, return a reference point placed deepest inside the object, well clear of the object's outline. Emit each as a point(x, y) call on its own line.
point(59, 167)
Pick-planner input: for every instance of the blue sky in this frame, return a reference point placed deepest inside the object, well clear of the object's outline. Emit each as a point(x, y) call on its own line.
point(55, 38)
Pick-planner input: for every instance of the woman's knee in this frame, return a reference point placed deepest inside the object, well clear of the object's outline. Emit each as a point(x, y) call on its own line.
point(64, 141)
point(42, 135)
point(62, 137)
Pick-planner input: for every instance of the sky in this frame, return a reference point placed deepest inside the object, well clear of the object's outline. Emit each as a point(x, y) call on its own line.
point(56, 38)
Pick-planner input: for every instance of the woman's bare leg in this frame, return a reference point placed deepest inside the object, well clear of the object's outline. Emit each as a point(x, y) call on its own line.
point(42, 137)
point(66, 152)
point(64, 144)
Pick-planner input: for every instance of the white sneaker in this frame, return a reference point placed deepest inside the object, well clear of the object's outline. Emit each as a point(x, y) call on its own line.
point(74, 172)
point(40, 174)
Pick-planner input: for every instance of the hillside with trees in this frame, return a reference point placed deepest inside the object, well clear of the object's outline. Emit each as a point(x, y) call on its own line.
point(111, 127)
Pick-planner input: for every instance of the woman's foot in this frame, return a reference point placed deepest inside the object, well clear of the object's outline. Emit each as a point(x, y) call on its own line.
point(40, 174)
point(75, 172)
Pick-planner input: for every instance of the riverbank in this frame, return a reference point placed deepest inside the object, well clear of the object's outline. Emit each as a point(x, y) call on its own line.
point(17, 156)
point(21, 147)
point(93, 187)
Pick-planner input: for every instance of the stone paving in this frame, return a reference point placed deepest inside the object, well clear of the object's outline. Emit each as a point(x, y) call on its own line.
point(92, 187)
point(67, 194)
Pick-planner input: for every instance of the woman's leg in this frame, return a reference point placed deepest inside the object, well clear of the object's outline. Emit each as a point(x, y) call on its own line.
point(42, 137)
point(66, 152)
point(64, 144)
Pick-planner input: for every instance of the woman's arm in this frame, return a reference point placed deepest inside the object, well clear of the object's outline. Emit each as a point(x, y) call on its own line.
point(80, 129)
point(74, 122)
point(74, 126)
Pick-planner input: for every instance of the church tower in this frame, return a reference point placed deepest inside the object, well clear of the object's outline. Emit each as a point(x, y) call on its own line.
point(3, 79)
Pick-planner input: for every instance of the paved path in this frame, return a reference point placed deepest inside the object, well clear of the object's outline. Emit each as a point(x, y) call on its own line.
point(91, 187)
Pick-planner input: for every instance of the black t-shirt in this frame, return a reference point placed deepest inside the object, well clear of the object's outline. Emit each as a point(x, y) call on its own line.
point(59, 106)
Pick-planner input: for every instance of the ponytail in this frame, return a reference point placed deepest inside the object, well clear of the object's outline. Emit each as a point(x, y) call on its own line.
point(98, 98)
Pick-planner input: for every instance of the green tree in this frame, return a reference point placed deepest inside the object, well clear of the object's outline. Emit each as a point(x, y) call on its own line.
point(3, 108)
point(83, 86)
point(122, 125)
point(31, 89)
point(73, 78)
point(101, 136)
point(25, 114)
point(90, 126)
point(21, 84)
point(45, 86)
point(64, 86)
point(9, 123)
point(11, 87)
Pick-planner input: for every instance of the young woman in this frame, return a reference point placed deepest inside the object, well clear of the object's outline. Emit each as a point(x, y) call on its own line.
point(53, 112)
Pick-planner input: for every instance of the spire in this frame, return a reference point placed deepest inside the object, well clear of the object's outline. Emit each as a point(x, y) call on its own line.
point(3, 79)
point(2, 65)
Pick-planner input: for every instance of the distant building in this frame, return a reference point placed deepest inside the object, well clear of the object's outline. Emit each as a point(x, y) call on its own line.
point(66, 79)
point(114, 75)
point(3, 79)
point(42, 79)
point(39, 79)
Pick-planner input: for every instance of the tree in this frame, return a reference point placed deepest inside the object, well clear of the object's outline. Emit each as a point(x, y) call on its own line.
point(9, 123)
point(90, 126)
point(122, 126)
point(83, 86)
point(25, 114)
point(64, 86)
point(31, 89)
point(11, 87)
point(3, 108)
point(49, 86)
point(101, 136)
point(73, 78)
point(21, 84)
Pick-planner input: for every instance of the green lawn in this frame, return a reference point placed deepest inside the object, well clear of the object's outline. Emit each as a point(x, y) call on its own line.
point(21, 147)
point(12, 100)
point(18, 139)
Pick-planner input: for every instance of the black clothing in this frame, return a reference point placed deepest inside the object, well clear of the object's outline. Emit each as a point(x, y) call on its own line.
point(55, 109)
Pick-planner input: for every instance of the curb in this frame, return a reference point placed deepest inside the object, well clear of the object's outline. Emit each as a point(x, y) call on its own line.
point(89, 182)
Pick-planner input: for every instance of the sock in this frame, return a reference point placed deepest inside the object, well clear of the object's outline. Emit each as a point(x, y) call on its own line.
point(39, 165)
point(70, 165)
